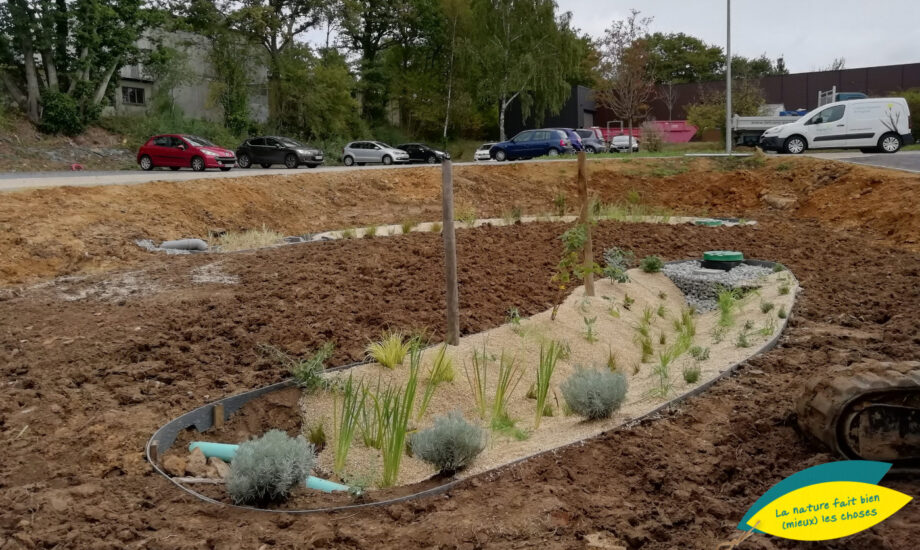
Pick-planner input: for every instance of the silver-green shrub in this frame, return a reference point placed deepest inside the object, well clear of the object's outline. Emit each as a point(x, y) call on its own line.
point(594, 393)
point(267, 468)
point(449, 445)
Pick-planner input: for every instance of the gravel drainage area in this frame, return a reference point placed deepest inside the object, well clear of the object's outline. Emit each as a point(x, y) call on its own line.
point(701, 286)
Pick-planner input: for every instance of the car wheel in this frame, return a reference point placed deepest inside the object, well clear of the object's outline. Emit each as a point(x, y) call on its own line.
point(266, 165)
point(146, 163)
point(432, 159)
point(225, 168)
point(244, 161)
point(291, 160)
point(174, 168)
point(501, 156)
point(590, 149)
point(348, 161)
point(794, 145)
point(553, 153)
point(198, 164)
point(890, 143)
point(387, 160)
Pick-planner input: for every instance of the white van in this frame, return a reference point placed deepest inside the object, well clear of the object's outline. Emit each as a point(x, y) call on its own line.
point(878, 125)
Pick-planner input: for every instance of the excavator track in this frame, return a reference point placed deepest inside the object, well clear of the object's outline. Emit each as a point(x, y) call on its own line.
point(867, 411)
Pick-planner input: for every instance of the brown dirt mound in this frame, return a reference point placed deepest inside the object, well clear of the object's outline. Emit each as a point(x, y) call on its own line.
point(52, 232)
point(88, 380)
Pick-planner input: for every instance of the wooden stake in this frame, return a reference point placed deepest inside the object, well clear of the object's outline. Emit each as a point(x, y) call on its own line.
point(585, 218)
point(450, 254)
point(218, 410)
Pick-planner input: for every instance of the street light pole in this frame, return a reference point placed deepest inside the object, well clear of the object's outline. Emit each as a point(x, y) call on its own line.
point(728, 78)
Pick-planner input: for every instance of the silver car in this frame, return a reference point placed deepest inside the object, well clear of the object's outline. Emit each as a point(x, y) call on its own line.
point(364, 152)
point(483, 152)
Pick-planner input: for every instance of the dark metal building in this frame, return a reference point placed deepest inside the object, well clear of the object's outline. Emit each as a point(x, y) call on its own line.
point(795, 91)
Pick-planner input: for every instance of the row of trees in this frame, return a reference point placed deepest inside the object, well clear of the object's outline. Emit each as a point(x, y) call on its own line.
point(436, 68)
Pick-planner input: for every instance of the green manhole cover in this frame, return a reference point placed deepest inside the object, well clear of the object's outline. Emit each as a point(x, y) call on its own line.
point(708, 223)
point(723, 256)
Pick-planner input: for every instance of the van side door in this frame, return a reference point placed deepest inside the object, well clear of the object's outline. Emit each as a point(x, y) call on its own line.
point(865, 124)
point(827, 128)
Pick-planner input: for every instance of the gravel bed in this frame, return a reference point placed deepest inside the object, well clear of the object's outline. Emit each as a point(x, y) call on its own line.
point(701, 286)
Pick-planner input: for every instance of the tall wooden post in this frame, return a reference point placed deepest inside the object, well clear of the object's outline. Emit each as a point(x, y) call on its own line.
point(585, 218)
point(450, 254)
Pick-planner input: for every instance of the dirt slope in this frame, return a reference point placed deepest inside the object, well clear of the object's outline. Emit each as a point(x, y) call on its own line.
point(93, 366)
point(25, 149)
point(51, 232)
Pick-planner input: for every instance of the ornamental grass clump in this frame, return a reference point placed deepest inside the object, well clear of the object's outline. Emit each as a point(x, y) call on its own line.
point(268, 468)
point(442, 370)
point(727, 302)
point(509, 374)
point(347, 412)
point(391, 350)
point(396, 424)
point(548, 357)
point(451, 444)
point(594, 393)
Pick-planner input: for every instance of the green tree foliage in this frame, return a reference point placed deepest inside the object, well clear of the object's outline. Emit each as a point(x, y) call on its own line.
point(522, 51)
point(709, 111)
point(913, 104)
point(680, 58)
point(275, 25)
point(69, 47)
point(747, 68)
point(369, 27)
point(316, 93)
point(230, 88)
point(168, 68)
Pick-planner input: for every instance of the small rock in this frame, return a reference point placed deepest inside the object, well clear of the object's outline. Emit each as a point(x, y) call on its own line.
point(781, 203)
point(174, 465)
point(220, 467)
point(601, 540)
point(197, 464)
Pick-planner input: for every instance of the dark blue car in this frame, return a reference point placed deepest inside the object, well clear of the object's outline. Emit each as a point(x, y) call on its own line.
point(532, 143)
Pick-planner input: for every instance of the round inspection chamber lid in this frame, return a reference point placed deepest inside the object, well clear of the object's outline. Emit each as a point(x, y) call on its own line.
point(723, 256)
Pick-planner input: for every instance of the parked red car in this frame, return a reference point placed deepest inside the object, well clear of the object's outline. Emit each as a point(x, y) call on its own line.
point(180, 150)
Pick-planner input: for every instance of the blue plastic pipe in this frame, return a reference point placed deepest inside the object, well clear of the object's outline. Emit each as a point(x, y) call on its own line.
point(226, 451)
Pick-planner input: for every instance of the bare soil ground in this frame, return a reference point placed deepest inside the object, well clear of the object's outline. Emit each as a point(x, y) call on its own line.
point(92, 366)
point(69, 230)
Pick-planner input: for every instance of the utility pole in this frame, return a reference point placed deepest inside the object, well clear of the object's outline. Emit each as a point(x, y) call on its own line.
point(728, 77)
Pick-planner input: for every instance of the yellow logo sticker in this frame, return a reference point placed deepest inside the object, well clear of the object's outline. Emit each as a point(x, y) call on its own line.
point(828, 510)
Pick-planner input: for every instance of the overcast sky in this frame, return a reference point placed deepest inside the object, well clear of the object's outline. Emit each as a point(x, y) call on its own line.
point(809, 34)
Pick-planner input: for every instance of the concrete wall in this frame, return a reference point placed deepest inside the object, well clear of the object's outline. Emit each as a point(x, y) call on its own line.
point(195, 97)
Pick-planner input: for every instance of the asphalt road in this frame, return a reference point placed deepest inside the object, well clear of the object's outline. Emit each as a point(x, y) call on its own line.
point(13, 181)
point(905, 160)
